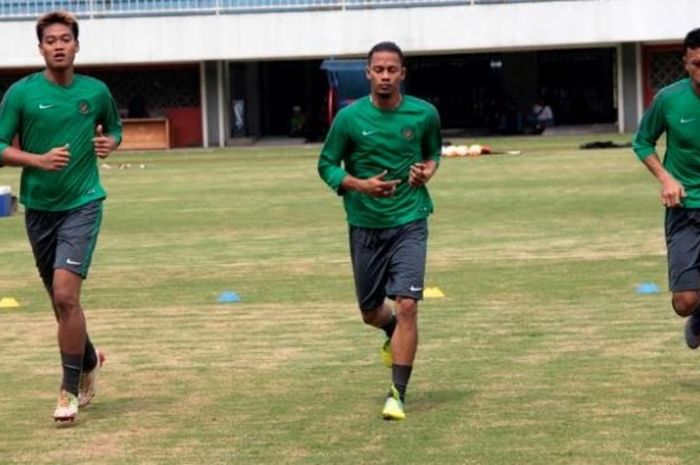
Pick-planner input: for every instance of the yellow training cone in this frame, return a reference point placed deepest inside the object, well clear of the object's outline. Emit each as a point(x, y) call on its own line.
point(8, 302)
point(433, 292)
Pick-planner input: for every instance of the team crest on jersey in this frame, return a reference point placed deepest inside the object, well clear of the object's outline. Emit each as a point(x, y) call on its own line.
point(84, 107)
point(408, 133)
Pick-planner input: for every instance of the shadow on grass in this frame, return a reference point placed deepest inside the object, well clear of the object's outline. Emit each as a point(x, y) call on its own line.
point(109, 408)
point(435, 399)
point(690, 383)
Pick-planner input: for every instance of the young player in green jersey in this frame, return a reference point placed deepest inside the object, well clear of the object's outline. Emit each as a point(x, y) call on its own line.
point(63, 121)
point(676, 112)
point(379, 155)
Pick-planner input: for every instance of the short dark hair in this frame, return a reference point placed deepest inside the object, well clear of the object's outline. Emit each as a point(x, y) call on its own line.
point(385, 47)
point(692, 40)
point(56, 17)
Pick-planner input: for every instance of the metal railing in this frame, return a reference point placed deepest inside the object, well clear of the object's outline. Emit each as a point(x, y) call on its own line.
point(31, 9)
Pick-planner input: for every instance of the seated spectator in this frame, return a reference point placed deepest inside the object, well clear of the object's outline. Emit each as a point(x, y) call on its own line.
point(542, 114)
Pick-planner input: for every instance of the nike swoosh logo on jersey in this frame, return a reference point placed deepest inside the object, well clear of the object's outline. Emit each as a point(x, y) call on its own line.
point(44, 107)
point(367, 133)
point(687, 120)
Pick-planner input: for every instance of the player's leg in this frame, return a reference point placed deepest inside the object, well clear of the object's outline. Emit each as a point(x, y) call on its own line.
point(91, 355)
point(384, 318)
point(407, 273)
point(405, 341)
point(71, 326)
point(683, 244)
point(77, 237)
point(42, 231)
point(685, 303)
point(368, 252)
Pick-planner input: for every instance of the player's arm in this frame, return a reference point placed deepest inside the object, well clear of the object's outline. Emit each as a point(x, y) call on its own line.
point(331, 156)
point(652, 125)
point(431, 147)
point(375, 186)
point(672, 192)
point(55, 159)
point(108, 133)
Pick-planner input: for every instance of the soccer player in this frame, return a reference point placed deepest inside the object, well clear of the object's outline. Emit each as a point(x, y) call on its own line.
point(63, 122)
point(676, 112)
point(379, 155)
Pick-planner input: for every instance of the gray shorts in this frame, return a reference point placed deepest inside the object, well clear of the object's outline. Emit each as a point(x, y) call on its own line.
point(388, 262)
point(683, 245)
point(64, 239)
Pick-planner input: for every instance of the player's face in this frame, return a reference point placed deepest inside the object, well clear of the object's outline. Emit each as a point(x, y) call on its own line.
point(385, 74)
point(691, 60)
point(58, 47)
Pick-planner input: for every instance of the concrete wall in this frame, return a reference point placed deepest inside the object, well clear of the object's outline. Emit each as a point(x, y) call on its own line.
point(321, 34)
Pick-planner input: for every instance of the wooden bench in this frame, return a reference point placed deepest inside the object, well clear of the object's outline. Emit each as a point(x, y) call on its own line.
point(145, 134)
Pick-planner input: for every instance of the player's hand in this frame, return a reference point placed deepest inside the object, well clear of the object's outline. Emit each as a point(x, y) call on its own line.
point(376, 186)
point(671, 192)
point(420, 173)
point(103, 144)
point(55, 159)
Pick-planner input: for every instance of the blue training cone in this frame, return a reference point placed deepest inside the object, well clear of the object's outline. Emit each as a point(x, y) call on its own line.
point(228, 297)
point(648, 288)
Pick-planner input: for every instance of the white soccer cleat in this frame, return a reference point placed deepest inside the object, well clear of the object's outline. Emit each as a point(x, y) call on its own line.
point(393, 406)
point(88, 381)
point(67, 407)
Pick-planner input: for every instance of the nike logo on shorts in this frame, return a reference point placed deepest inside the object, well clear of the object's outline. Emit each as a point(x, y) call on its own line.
point(44, 107)
point(71, 262)
point(415, 289)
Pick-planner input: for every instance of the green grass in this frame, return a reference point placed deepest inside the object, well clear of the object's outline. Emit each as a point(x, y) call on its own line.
point(540, 353)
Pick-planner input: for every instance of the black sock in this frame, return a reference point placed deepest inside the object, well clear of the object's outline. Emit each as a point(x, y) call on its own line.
point(694, 322)
point(390, 326)
point(400, 375)
point(89, 356)
point(72, 365)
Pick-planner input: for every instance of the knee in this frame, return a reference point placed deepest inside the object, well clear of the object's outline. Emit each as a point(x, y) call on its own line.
point(65, 302)
point(685, 303)
point(406, 309)
point(371, 317)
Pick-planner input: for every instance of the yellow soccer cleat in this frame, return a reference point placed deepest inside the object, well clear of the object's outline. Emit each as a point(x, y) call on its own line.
point(393, 406)
point(385, 352)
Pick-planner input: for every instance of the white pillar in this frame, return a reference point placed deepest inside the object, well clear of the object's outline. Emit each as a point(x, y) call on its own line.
point(203, 103)
point(220, 102)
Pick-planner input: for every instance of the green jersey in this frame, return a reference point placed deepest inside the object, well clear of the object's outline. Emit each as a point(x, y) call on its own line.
point(675, 111)
point(45, 115)
point(367, 140)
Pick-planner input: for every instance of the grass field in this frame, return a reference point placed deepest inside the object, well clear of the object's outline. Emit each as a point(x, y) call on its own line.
point(540, 353)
